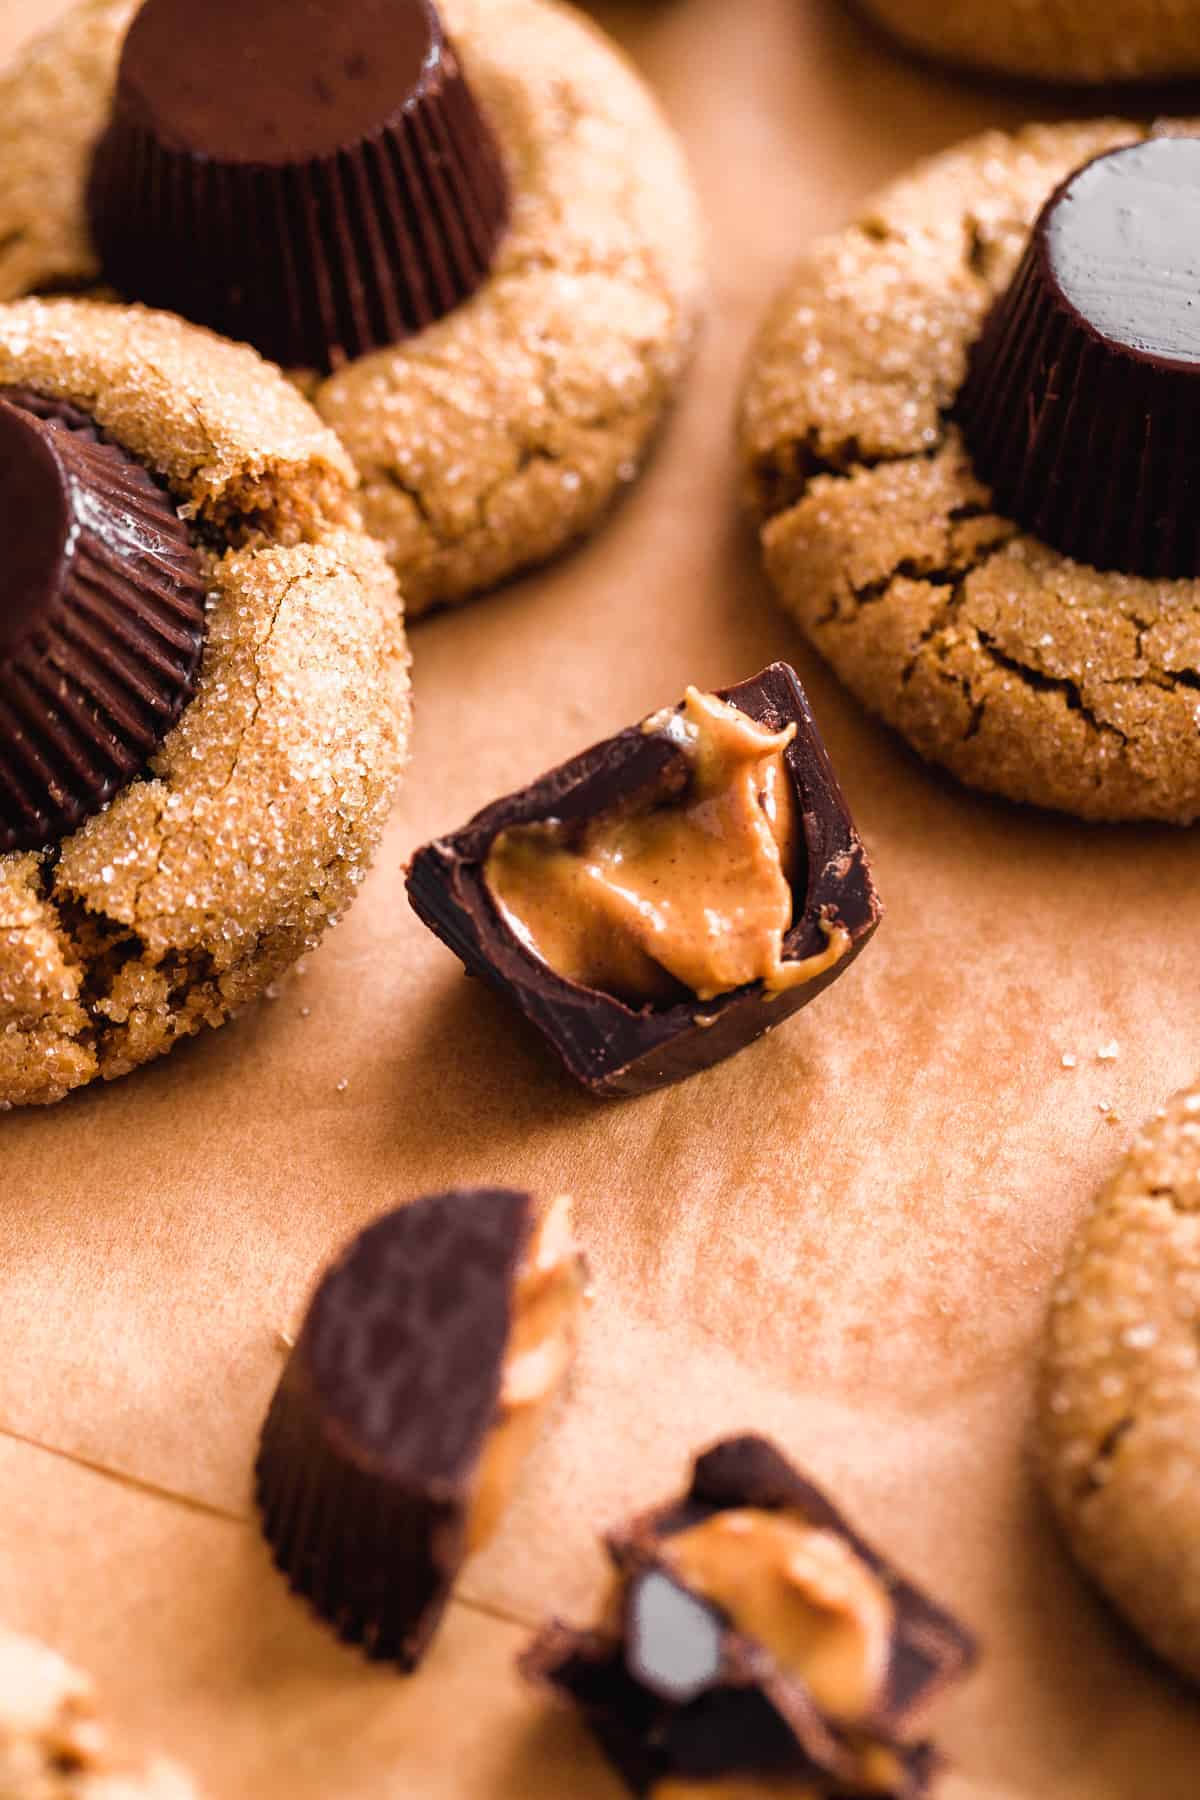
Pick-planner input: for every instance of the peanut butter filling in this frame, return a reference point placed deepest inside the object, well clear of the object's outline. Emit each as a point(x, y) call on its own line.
point(692, 894)
point(547, 1300)
point(800, 1592)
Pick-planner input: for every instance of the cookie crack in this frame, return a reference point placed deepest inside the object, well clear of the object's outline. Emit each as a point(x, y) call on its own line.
point(782, 477)
point(1040, 682)
point(446, 537)
point(1096, 1476)
point(1177, 678)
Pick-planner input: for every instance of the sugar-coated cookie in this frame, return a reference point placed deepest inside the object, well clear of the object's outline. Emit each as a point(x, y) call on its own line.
point(551, 295)
point(151, 881)
point(1054, 40)
point(1024, 671)
point(53, 1747)
point(1119, 1393)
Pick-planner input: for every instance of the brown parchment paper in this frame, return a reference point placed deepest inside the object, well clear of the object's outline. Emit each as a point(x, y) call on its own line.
point(844, 1237)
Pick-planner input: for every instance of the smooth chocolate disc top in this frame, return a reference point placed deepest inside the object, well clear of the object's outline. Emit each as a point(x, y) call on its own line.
point(1123, 246)
point(102, 618)
point(312, 176)
point(1083, 391)
point(276, 81)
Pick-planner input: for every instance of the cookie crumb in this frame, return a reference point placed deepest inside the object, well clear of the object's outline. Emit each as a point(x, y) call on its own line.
point(342, 1086)
point(1069, 1059)
point(1108, 1052)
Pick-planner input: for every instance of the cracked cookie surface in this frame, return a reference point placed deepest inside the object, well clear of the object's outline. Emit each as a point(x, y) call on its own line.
point(53, 1747)
point(1053, 40)
point(1119, 1390)
point(256, 818)
point(493, 439)
point(1021, 671)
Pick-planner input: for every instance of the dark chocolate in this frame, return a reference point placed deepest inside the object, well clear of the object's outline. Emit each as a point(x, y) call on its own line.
point(735, 1712)
point(930, 1649)
point(370, 1449)
point(1080, 402)
point(318, 180)
point(102, 618)
point(613, 1048)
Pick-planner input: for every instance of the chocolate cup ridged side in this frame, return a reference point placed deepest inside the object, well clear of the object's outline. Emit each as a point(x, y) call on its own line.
point(313, 262)
point(373, 1562)
point(368, 1458)
point(93, 685)
point(1089, 445)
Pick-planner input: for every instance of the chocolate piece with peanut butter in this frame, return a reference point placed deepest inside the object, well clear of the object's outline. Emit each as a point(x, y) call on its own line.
point(754, 1647)
point(665, 898)
point(430, 1355)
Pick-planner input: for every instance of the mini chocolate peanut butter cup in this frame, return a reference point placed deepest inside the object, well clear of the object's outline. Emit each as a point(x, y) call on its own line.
point(102, 619)
point(428, 1359)
point(317, 180)
point(1081, 401)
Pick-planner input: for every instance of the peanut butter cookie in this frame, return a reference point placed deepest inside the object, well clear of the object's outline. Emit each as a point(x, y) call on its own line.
point(1054, 40)
point(203, 687)
point(494, 288)
point(1024, 671)
point(1119, 1394)
point(53, 1747)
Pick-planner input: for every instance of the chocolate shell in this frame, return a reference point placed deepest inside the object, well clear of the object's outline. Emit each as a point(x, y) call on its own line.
point(610, 1047)
point(369, 1455)
point(317, 180)
point(102, 619)
point(693, 1700)
point(1083, 391)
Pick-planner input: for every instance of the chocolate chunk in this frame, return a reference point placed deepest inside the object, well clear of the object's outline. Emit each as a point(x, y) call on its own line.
point(611, 1046)
point(1079, 406)
point(428, 1354)
point(317, 180)
point(102, 618)
point(668, 1707)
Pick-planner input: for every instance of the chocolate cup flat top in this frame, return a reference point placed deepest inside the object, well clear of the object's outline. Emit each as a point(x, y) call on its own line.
point(404, 1342)
point(275, 82)
point(1122, 240)
point(36, 519)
